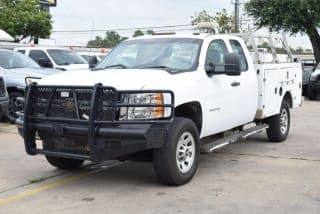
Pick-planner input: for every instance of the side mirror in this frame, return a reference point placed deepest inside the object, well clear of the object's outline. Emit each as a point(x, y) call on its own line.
point(212, 69)
point(93, 61)
point(45, 63)
point(232, 64)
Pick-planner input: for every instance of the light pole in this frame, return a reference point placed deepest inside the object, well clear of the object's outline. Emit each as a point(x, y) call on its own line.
point(237, 15)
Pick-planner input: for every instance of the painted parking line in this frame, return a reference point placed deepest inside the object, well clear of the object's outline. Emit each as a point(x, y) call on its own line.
point(42, 188)
point(96, 169)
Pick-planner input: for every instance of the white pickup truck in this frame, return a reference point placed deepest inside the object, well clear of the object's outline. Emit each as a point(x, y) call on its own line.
point(166, 98)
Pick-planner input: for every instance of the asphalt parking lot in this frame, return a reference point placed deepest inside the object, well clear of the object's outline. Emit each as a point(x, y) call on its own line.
point(250, 177)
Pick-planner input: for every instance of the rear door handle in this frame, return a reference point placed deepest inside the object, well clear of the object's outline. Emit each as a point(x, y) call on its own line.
point(235, 84)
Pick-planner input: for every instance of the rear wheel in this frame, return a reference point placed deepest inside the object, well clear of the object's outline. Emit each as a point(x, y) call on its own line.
point(312, 95)
point(177, 162)
point(279, 125)
point(64, 163)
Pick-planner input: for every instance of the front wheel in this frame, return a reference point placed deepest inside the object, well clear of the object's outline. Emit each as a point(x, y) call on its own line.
point(176, 163)
point(279, 125)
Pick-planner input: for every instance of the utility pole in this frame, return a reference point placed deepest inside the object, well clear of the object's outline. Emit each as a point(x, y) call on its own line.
point(237, 15)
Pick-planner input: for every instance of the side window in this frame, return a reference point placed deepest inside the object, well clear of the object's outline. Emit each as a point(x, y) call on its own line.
point(236, 47)
point(217, 51)
point(38, 55)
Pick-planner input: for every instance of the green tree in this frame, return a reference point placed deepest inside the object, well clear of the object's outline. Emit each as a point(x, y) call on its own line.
point(138, 33)
point(150, 32)
point(111, 40)
point(225, 23)
point(294, 16)
point(201, 17)
point(24, 18)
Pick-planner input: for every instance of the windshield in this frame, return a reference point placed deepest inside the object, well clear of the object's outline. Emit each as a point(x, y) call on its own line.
point(66, 57)
point(12, 60)
point(171, 54)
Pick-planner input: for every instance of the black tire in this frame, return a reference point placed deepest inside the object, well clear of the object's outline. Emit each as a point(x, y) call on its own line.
point(312, 95)
point(64, 163)
point(277, 132)
point(13, 107)
point(165, 159)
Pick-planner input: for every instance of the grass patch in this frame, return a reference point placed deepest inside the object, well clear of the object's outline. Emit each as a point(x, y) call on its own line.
point(37, 180)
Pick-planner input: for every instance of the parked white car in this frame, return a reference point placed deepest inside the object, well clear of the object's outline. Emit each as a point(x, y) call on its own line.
point(161, 97)
point(53, 57)
point(88, 55)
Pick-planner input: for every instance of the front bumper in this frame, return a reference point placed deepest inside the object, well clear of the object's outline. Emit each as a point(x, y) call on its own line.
point(90, 139)
point(4, 105)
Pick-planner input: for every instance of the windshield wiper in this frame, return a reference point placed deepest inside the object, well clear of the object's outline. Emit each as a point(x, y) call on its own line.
point(65, 63)
point(117, 65)
point(158, 67)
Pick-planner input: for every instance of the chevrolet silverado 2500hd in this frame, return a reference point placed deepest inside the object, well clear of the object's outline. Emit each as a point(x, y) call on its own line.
point(162, 96)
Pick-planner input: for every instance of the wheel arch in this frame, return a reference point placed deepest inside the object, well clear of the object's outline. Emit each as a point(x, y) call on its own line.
point(192, 111)
point(288, 98)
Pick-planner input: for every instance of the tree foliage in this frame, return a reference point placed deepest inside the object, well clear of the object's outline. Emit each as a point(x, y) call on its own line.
point(224, 22)
point(23, 18)
point(111, 40)
point(294, 16)
point(138, 33)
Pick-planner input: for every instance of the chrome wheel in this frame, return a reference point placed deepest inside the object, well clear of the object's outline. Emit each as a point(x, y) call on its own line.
point(284, 121)
point(185, 154)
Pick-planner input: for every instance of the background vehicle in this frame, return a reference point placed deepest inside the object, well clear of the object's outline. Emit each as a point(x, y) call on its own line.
point(19, 70)
point(166, 97)
point(4, 100)
point(88, 55)
point(92, 58)
point(314, 84)
point(57, 58)
point(308, 67)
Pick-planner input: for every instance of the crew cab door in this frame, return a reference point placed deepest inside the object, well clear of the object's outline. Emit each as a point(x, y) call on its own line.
point(227, 96)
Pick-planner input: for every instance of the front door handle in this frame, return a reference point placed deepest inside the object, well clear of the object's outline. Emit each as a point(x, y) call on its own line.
point(235, 84)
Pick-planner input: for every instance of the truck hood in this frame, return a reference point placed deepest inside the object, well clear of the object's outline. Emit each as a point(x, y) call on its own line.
point(121, 79)
point(31, 72)
point(16, 77)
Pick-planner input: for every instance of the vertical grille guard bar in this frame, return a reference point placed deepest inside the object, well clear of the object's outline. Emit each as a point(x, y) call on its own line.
point(28, 132)
point(95, 100)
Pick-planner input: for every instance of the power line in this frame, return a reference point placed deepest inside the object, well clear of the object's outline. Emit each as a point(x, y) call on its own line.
point(121, 29)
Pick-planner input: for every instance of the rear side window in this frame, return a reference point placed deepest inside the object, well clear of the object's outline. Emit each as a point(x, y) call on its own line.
point(38, 55)
point(237, 48)
point(216, 52)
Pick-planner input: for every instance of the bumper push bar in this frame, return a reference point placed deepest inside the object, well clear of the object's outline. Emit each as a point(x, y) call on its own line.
point(101, 132)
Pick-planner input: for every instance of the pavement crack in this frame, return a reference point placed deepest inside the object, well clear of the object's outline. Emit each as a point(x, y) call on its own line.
point(270, 156)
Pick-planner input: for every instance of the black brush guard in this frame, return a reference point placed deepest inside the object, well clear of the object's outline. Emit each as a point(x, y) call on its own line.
point(106, 136)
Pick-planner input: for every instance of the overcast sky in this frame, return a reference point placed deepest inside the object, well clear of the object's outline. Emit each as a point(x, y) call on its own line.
point(114, 14)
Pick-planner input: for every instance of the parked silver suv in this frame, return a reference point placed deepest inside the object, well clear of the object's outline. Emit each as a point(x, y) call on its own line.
point(19, 70)
point(4, 100)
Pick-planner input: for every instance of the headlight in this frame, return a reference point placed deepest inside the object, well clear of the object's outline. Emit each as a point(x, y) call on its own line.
point(145, 113)
point(30, 80)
